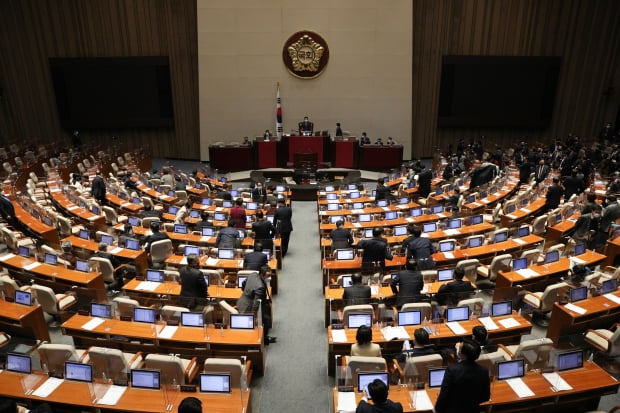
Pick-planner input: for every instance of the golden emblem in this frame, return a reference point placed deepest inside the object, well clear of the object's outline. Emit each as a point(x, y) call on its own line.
point(306, 54)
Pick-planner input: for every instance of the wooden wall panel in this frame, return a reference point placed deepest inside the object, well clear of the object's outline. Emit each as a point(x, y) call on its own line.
point(31, 31)
point(584, 32)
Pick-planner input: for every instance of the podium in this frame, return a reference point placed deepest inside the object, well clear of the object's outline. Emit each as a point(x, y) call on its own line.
point(266, 154)
point(306, 144)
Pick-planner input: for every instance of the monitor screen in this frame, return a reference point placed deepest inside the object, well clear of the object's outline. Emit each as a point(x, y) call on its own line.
point(352, 187)
point(198, 185)
point(133, 221)
point(501, 308)
point(132, 244)
point(180, 229)
point(281, 188)
point(570, 360)
point(123, 196)
point(225, 253)
point(476, 219)
point(172, 193)
point(382, 203)
point(47, 220)
point(78, 372)
point(578, 294)
point(500, 236)
point(471, 199)
point(270, 218)
point(251, 206)
point(483, 194)
point(400, 230)
point(333, 207)
point(191, 249)
point(454, 223)
point(173, 210)
point(354, 195)
point(437, 209)
point(331, 196)
point(580, 249)
point(368, 233)
point(345, 254)
point(268, 254)
point(458, 313)
point(475, 242)
point(241, 279)
point(445, 274)
point(215, 383)
point(347, 280)
point(206, 201)
point(207, 231)
point(430, 227)
point(101, 310)
point(409, 318)
point(24, 251)
point(365, 217)
point(335, 218)
point(95, 209)
point(438, 191)
point(523, 232)
point(155, 276)
point(403, 200)
point(415, 212)
point(358, 205)
point(558, 219)
point(511, 369)
point(329, 188)
point(446, 246)
point(83, 234)
point(223, 179)
point(241, 233)
point(194, 213)
point(227, 204)
point(18, 363)
point(219, 216)
point(391, 215)
point(135, 200)
point(552, 256)
point(609, 286)
point(82, 266)
point(50, 259)
point(435, 377)
point(145, 379)
point(108, 239)
point(234, 192)
point(192, 319)
point(519, 264)
point(364, 379)
point(23, 297)
point(356, 319)
point(242, 321)
point(144, 315)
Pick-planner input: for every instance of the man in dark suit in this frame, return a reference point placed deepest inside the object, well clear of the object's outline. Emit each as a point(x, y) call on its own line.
point(155, 236)
point(378, 391)
point(98, 189)
point(282, 220)
point(228, 237)
point(573, 184)
point(7, 211)
point(259, 194)
point(407, 285)
point(305, 126)
point(465, 384)
point(452, 292)
point(525, 170)
point(554, 195)
point(341, 237)
point(356, 293)
point(256, 259)
point(418, 248)
point(263, 231)
point(610, 214)
point(150, 212)
point(541, 171)
point(376, 250)
point(193, 284)
point(118, 274)
point(425, 176)
point(587, 225)
point(482, 174)
point(254, 289)
point(382, 191)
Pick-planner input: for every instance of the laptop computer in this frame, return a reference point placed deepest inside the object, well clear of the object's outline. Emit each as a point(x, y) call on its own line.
point(225, 253)
point(192, 319)
point(23, 251)
point(191, 249)
point(445, 274)
point(145, 379)
point(101, 310)
point(435, 377)
point(355, 320)
point(446, 246)
point(430, 227)
point(400, 230)
point(155, 276)
point(578, 294)
point(552, 256)
point(519, 264)
point(78, 372)
point(144, 315)
point(208, 231)
point(365, 378)
point(23, 297)
point(345, 254)
point(18, 363)
point(409, 318)
point(511, 369)
point(389, 215)
point(132, 244)
point(215, 383)
point(501, 308)
point(242, 321)
point(180, 229)
point(457, 313)
point(570, 360)
point(609, 286)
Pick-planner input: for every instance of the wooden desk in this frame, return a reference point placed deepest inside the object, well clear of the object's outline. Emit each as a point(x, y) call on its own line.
point(520, 215)
point(23, 320)
point(334, 267)
point(156, 195)
point(492, 199)
point(325, 228)
point(125, 206)
point(601, 313)
point(485, 251)
point(77, 397)
point(589, 384)
point(559, 230)
point(377, 157)
point(231, 158)
point(45, 232)
point(187, 341)
point(84, 215)
point(612, 249)
point(123, 254)
point(441, 336)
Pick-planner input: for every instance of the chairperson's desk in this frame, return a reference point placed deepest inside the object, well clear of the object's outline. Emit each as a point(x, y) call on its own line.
point(441, 335)
point(74, 395)
point(190, 341)
point(588, 385)
point(23, 320)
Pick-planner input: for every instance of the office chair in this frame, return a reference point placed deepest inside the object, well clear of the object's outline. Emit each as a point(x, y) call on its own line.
point(104, 266)
point(240, 372)
point(53, 304)
point(416, 368)
point(112, 363)
point(172, 313)
point(227, 310)
point(53, 356)
point(357, 364)
point(425, 309)
point(499, 263)
point(355, 309)
point(490, 360)
point(535, 352)
point(605, 341)
point(542, 302)
point(173, 368)
point(161, 250)
point(125, 306)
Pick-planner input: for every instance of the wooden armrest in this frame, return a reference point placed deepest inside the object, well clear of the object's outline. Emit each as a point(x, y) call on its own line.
point(595, 345)
point(609, 268)
point(397, 368)
point(136, 356)
point(248, 372)
point(191, 370)
point(505, 349)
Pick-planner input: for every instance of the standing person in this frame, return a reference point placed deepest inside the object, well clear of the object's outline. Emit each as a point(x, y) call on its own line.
point(341, 237)
point(254, 289)
point(338, 130)
point(541, 171)
point(263, 231)
point(419, 249)
point(7, 211)
point(376, 250)
point(425, 176)
point(465, 384)
point(259, 194)
point(193, 284)
point(407, 285)
point(382, 191)
point(98, 189)
point(282, 220)
point(237, 213)
point(554, 195)
point(166, 178)
point(378, 392)
point(76, 140)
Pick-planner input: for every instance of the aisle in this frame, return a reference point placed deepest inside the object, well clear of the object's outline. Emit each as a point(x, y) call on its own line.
point(296, 372)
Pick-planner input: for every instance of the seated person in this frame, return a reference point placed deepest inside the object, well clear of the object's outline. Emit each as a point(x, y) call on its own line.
point(67, 253)
point(178, 184)
point(255, 259)
point(341, 237)
point(378, 391)
point(364, 346)
point(454, 291)
point(150, 212)
point(421, 346)
point(204, 221)
point(156, 235)
point(356, 293)
point(407, 284)
point(480, 336)
point(10, 406)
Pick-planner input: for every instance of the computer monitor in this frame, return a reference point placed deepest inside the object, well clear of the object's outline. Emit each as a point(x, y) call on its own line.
point(180, 229)
point(354, 195)
point(144, 315)
point(445, 274)
point(345, 254)
point(145, 379)
point(331, 196)
point(208, 231)
point(358, 205)
point(435, 377)
point(609, 286)
point(475, 242)
point(519, 264)
point(458, 313)
point(268, 254)
point(95, 209)
point(198, 185)
point(133, 221)
point(354, 320)
point(23, 297)
point(215, 383)
point(225, 253)
point(557, 219)
point(223, 179)
point(206, 201)
point(347, 280)
point(101, 310)
point(251, 206)
point(523, 231)
point(454, 223)
point(242, 321)
point(47, 220)
point(108, 239)
point(227, 204)
point(50, 259)
point(280, 188)
point(483, 194)
point(500, 236)
point(329, 188)
point(352, 187)
point(436, 209)
point(415, 212)
point(391, 215)
point(335, 218)
point(135, 200)
point(194, 213)
point(403, 201)
point(471, 199)
point(191, 249)
point(365, 378)
point(84, 234)
point(123, 196)
point(411, 184)
point(270, 218)
point(78, 372)
point(501, 308)
point(241, 233)
point(333, 207)
point(192, 319)
point(241, 279)
point(234, 192)
point(368, 233)
point(155, 276)
point(438, 191)
point(400, 230)
point(382, 203)
point(82, 266)
point(580, 249)
point(132, 244)
point(23, 251)
point(511, 208)
point(570, 360)
point(173, 210)
point(476, 219)
point(409, 318)
point(552, 256)
point(510, 369)
point(578, 294)
point(446, 246)
point(430, 227)
point(219, 216)
point(18, 363)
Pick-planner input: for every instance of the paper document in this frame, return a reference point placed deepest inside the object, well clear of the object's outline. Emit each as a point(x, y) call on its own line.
point(93, 323)
point(357, 211)
point(211, 262)
point(577, 260)
point(520, 241)
point(442, 215)
point(557, 382)
point(452, 231)
point(167, 332)
point(393, 333)
point(527, 272)
point(612, 297)
point(510, 216)
point(147, 286)
point(574, 308)
point(112, 396)
point(48, 387)
point(374, 290)
point(116, 250)
point(339, 336)
point(183, 261)
point(527, 211)
point(357, 225)
point(509, 322)
point(72, 207)
point(456, 327)
point(420, 400)
point(448, 255)
point(7, 257)
point(32, 266)
point(346, 402)
point(520, 388)
point(488, 323)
